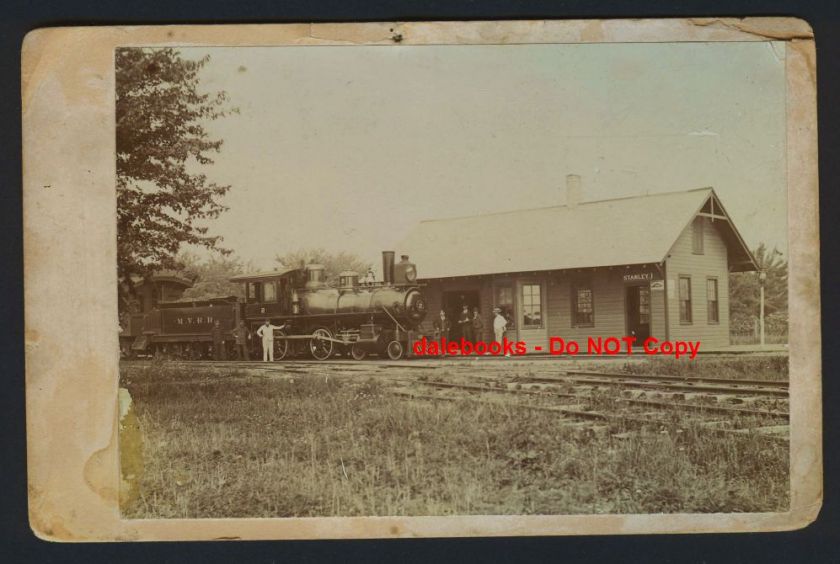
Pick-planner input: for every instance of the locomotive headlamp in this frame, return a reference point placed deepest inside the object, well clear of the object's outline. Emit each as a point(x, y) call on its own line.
point(410, 274)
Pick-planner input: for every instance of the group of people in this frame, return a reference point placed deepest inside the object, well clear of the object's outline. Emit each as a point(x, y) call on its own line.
point(471, 325)
point(241, 336)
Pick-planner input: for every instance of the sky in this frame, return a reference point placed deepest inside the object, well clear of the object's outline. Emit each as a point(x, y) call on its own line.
point(348, 147)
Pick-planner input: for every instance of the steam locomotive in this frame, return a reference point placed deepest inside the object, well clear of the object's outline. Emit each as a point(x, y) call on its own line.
point(355, 318)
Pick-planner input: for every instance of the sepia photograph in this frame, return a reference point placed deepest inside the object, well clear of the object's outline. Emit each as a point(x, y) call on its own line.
point(423, 279)
point(447, 280)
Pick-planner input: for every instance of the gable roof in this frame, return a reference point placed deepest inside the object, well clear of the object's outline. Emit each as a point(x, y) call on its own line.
point(632, 230)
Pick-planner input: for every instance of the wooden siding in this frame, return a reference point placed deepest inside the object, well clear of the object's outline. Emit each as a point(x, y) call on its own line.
point(607, 301)
point(682, 261)
point(658, 319)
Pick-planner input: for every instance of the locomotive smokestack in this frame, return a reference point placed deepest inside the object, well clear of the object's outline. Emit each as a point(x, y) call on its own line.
point(388, 267)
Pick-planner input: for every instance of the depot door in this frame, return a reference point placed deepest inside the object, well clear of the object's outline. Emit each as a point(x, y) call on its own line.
point(637, 304)
point(532, 313)
point(453, 305)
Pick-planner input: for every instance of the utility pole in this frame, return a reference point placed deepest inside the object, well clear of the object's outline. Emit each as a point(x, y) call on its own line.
point(762, 276)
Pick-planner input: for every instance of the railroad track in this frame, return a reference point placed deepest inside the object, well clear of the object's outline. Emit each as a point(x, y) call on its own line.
point(668, 378)
point(666, 383)
point(706, 385)
point(700, 407)
point(717, 419)
point(535, 359)
point(635, 400)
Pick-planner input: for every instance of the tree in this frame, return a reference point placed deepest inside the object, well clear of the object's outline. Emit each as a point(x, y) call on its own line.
point(212, 276)
point(333, 262)
point(161, 142)
point(744, 291)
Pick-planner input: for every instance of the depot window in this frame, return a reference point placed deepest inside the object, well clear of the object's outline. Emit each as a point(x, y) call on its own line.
point(712, 300)
point(504, 301)
point(583, 306)
point(685, 299)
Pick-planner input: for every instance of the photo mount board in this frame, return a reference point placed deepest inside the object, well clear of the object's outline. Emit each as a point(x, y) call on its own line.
point(72, 363)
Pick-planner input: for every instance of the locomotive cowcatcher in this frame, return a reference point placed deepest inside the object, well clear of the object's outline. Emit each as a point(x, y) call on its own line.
point(353, 318)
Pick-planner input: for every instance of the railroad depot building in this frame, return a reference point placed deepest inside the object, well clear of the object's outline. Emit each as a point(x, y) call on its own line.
point(653, 265)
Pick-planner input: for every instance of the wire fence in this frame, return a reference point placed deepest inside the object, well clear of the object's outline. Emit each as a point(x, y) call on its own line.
point(751, 338)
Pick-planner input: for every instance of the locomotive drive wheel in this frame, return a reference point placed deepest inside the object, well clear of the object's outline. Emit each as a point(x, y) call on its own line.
point(395, 350)
point(320, 346)
point(358, 352)
point(281, 347)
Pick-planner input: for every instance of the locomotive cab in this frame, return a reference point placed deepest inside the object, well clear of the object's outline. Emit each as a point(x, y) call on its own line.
point(270, 294)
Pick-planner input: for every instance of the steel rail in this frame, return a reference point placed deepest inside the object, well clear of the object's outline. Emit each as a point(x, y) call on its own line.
point(667, 377)
point(641, 382)
point(652, 403)
point(665, 382)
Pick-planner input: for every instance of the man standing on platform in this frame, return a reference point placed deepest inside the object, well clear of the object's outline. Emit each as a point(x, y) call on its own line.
point(466, 324)
point(477, 325)
point(441, 326)
point(499, 326)
point(266, 331)
point(242, 335)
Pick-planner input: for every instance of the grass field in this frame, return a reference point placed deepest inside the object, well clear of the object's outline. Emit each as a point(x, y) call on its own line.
point(774, 367)
point(231, 444)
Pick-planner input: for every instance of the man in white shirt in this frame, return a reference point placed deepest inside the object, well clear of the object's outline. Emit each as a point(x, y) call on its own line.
point(266, 331)
point(499, 325)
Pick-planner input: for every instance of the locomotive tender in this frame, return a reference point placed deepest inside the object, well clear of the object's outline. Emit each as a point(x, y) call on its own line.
point(353, 318)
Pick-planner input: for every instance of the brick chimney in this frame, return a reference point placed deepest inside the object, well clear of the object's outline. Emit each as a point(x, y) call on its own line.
point(572, 190)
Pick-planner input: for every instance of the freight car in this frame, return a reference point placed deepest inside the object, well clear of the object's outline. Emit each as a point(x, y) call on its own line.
point(353, 318)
